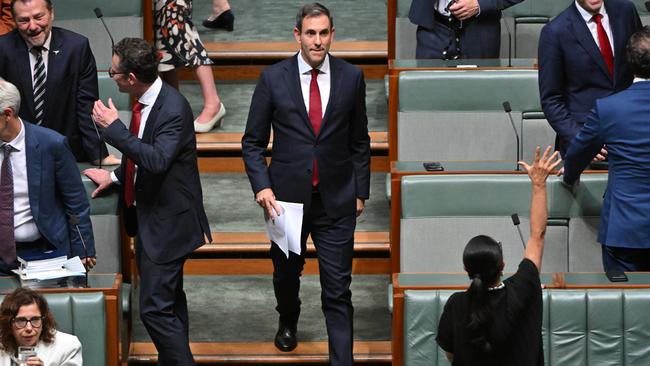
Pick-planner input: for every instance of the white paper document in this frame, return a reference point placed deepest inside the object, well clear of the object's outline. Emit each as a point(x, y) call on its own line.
point(285, 229)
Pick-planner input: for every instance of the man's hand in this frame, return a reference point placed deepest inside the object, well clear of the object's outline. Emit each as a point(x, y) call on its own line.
point(464, 9)
point(104, 116)
point(111, 160)
point(540, 168)
point(361, 204)
point(89, 262)
point(266, 199)
point(602, 155)
point(34, 361)
point(101, 177)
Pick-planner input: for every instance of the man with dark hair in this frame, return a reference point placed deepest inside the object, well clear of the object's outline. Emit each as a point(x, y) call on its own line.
point(450, 29)
point(315, 105)
point(582, 58)
point(162, 198)
point(40, 188)
point(620, 122)
point(55, 71)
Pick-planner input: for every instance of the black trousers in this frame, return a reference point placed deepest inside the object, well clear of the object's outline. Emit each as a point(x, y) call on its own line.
point(163, 308)
point(334, 241)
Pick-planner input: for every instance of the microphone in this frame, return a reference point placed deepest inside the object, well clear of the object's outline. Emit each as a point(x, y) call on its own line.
point(508, 109)
point(647, 5)
point(516, 222)
point(100, 16)
point(74, 221)
point(505, 21)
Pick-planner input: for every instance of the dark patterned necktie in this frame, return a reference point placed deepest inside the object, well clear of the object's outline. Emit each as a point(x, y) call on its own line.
point(7, 244)
point(315, 116)
point(39, 86)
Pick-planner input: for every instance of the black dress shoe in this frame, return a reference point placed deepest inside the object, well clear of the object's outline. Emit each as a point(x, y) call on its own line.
point(285, 339)
point(225, 20)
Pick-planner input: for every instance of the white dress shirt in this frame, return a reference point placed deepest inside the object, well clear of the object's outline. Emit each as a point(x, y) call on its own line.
point(24, 225)
point(44, 52)
point(592, 25)
point(323, 79)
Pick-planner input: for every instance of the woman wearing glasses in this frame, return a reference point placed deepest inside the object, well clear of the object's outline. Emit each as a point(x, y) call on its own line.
point(26, 321)
point(495, 322)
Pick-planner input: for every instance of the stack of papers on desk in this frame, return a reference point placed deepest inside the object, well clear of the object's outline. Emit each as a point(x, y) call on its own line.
point(286, 228)
point(52, 272)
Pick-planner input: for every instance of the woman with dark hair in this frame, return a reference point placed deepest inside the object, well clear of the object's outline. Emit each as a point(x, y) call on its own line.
point(26, 321)
point(495, 322)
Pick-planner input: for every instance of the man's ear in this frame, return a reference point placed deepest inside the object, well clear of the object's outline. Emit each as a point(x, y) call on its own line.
point(296, 34)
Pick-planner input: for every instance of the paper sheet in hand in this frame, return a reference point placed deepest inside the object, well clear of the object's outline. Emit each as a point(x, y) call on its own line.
point(285, 229)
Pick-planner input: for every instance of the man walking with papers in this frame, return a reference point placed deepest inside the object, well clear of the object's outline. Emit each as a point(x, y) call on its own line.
point(315, 104)
point(40, 187)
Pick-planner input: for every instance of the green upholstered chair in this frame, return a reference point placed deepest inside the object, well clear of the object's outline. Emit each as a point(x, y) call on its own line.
point(82, 314)
point(580, 327)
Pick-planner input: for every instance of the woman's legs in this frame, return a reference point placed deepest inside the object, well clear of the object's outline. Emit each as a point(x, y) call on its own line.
point(211, 100)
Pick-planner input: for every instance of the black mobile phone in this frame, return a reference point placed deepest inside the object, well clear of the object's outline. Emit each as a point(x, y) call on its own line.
point(433, 166)
point(616, 276)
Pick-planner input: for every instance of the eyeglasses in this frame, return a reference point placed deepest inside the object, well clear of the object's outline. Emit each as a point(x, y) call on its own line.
point(112, 73)
point(21, 322)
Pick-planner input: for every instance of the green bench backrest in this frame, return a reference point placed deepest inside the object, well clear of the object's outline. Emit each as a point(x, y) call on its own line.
point(580, 327)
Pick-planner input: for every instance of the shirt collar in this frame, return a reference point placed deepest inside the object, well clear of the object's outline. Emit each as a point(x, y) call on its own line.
point(587, 15)
point(149, 97)
point(638, 79)
point(18, 143)
point(304, 67)
point(46, 44)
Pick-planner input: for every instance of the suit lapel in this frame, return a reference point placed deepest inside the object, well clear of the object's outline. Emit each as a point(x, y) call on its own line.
point(292, 79)
point(147, 134)
point(33, 157)
point(56, 65)
point(23, 69)
point(336, 80)
point(585, 39)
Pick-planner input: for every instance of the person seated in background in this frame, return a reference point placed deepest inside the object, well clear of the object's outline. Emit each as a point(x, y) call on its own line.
point(26, 321)
point(499, 322)
point(40, 191)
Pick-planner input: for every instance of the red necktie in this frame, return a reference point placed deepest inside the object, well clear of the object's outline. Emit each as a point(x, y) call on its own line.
point(129, 178)
point(315, 115)
point(604, 44)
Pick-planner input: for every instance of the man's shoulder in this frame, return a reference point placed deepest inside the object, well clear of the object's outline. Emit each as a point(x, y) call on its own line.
point(9, 39)
point(560, 21)
point(68, 36)
point(44, 135)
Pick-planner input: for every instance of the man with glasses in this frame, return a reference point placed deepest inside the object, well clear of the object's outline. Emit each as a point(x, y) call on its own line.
point(452, 29)
point(55, 71)
point(162, 198)
point(26, 321)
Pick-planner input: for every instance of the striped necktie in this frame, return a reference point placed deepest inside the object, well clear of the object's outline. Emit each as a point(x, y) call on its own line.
point(7, 244)
point(39, 85)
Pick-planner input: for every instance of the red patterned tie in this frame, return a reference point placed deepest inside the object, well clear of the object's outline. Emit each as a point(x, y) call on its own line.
point(315, 115)
point(604, 44)
point(129, 177)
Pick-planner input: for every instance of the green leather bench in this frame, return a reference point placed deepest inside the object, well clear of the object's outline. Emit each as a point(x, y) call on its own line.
point(123, 18)
point(525, 20)
point(82, 314)
point(440, 213)
point(458, 115)
point(580, 327)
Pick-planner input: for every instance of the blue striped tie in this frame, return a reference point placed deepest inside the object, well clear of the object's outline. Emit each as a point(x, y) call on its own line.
point(7, 244)
point(39, 86)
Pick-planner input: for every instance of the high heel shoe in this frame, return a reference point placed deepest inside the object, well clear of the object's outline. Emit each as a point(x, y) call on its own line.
point(214, 122)
point(225, 20)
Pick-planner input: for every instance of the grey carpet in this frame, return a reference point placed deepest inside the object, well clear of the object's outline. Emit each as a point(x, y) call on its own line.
point(229, 204)
point(241, 309)
point(236, 96)
point(274, 20)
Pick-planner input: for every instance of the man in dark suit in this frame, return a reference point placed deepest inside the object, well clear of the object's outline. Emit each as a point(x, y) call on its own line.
point(620, 122)
point(40, 188)
point(581, 61)
point(315, 104)
point(449, 29)
point(160, 183)
point(64, 99)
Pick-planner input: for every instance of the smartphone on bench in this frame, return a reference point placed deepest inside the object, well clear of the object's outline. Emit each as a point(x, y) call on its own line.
point(433, 166)
point(616, 276)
